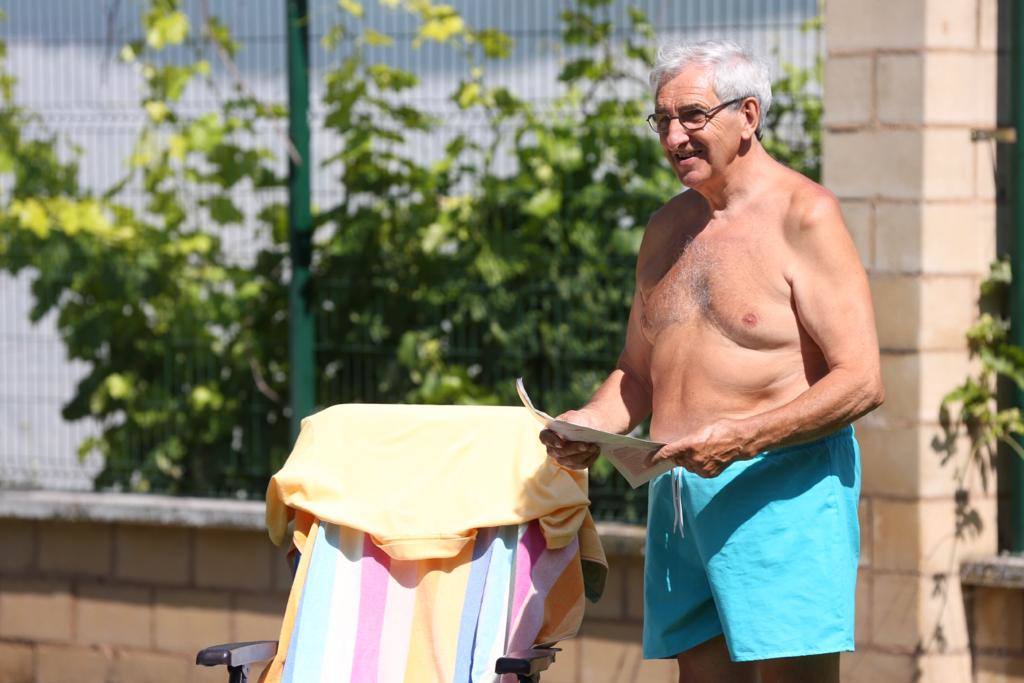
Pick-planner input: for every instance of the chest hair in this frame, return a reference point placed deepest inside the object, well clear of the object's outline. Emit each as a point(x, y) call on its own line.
point(684, 290)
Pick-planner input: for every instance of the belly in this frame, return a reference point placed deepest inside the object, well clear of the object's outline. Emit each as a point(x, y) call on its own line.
point(700, 376)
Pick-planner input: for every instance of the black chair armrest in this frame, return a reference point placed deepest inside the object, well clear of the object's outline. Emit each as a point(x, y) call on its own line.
point(237, 654)
point(526, 662)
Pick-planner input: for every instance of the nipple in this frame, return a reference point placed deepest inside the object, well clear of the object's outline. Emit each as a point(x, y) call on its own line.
point(750, 319)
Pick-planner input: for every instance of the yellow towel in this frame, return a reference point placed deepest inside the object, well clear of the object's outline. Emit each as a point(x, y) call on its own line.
point(422, 479)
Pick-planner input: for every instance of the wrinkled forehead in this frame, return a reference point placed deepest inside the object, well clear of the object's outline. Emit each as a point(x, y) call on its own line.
point(691, 87)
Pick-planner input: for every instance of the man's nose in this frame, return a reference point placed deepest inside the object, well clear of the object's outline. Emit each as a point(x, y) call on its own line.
point(677, 135)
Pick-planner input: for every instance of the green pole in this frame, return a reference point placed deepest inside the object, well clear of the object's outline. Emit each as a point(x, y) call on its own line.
point(1016, 469)
point(301, 328)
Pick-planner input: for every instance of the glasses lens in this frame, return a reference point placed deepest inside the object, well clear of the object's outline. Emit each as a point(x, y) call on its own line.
point(693, 119)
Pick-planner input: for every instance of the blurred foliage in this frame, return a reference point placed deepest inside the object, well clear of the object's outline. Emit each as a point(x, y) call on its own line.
point(453, 276)
point(972, 409)
point(172, 333)
point(797, 96)
point(970, 413)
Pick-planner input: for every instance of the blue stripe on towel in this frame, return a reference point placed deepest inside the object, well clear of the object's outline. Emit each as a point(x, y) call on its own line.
point(305, 652)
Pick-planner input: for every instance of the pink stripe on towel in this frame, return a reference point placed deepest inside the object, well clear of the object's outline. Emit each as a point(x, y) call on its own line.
point(531, 545)
point(372, 600)
point(526, 623)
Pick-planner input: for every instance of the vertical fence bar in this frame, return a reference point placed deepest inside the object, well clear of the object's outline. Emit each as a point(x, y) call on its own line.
point(1016, 467)
point(301, 326)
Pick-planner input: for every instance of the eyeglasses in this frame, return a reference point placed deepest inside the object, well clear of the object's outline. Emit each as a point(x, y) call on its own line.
point(691, 119)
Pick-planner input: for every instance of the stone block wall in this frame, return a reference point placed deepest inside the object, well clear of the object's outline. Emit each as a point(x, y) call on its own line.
point(905, 84)
point(996, 616)
point(608, 647)
point(93, 591)
point(109, 602)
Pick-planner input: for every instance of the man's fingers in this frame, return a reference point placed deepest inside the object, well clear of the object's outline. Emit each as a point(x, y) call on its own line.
point(685, 460)
point(657, 456)
point(553, 440)
point(550, 439)
point(576, 462)
point(579, 447)
point(679, 455)
point(575, 455)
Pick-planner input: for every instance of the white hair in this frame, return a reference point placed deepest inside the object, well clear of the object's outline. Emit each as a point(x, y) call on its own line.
point(735, 71)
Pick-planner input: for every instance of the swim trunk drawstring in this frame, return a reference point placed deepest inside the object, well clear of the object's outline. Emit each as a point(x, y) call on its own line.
point(677, 500)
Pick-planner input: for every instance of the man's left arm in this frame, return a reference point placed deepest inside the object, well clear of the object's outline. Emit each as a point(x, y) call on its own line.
point(833, 302)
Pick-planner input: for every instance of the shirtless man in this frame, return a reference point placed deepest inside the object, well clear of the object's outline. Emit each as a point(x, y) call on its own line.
point(751, 343)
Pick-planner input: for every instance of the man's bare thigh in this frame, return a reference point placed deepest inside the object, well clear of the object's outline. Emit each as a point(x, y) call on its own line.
point(709, 662)
point(818, 668)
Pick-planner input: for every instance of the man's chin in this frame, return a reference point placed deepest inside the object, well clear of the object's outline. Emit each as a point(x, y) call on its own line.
point(691, 179)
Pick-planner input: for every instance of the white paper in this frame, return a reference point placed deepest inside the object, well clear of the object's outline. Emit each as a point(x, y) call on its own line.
point(626, 453)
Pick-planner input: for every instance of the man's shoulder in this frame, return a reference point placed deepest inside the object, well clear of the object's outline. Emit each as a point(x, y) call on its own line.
point(814, 222)
point(664, 225)
point(678, 208)
point(811, 206)
point(687, 199)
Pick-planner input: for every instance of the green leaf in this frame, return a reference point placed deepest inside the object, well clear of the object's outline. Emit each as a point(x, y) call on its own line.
point(166, 29)
point(221, 35)
point(495, 43)
point(371, 37)
point(205, 133)
point(576, 69)
point(223, 210)
point(467, 95)
point(544, 203)
point(276, 217)
point(353, 7)
point(441, 24)
point(157, 111)
point(6, 161)
point(333, 36)
point(128, 53)
point(31, 215)
point(999, 278)
point(390, 78)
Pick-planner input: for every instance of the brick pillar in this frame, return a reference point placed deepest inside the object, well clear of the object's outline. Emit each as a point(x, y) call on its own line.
point(905, 82)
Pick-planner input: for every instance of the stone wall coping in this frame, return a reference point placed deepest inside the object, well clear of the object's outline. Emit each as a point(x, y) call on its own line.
point(220, 513)
point(131, 508)
point(998, 571)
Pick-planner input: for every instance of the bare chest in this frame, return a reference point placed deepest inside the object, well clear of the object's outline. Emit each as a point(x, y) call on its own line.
point(735, 288)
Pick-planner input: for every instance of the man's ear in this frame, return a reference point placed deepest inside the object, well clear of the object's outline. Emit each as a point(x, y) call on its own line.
point(751, 111)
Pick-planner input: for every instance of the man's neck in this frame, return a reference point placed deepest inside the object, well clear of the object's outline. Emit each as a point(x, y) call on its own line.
point(738, 183)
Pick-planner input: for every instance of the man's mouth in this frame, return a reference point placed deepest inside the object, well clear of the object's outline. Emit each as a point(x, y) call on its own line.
point(683, 155)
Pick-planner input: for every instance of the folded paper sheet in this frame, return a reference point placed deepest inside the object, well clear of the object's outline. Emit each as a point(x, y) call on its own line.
point(626, 453)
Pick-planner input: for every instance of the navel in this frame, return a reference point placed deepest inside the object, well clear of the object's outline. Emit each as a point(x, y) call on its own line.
point(750, 319)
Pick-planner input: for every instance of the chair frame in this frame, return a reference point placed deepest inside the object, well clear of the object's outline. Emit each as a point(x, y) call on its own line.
point(526, 665)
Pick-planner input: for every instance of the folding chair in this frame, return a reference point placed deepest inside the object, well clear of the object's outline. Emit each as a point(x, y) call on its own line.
point(238, 657)
point(361, 611)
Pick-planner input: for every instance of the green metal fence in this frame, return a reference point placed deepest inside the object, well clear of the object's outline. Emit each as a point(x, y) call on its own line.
point(64, 54)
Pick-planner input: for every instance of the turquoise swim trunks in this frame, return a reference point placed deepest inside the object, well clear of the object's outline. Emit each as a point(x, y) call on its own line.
point(765, 553)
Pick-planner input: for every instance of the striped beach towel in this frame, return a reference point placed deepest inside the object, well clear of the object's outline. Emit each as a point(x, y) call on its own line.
point(356, 614)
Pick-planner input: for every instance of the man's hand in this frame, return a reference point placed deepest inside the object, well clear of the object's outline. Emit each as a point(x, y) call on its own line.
point(574, 455)
point(708, 451)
